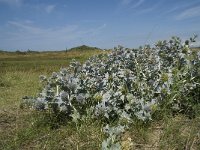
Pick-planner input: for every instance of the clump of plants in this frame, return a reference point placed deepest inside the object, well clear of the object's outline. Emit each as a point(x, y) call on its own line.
point(124, 86)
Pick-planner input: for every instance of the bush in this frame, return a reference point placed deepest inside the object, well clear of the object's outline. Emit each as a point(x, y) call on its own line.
point(125, 85)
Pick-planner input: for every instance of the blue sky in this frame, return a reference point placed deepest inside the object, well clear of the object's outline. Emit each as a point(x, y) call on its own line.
point(61, 24)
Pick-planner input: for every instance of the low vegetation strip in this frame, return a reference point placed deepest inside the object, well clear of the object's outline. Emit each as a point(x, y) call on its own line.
point(41, 61)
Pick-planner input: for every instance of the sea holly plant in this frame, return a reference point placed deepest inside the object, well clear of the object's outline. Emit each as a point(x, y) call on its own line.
point(113, 140)
point(124, 85)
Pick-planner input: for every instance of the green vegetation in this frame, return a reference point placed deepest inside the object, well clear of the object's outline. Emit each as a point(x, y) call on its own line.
point(83, 48)
point(41, 62)
point(25, 129)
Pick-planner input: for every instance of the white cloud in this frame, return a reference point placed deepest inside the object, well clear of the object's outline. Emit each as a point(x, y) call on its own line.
point(149, 9)
point(137, 6)
point(132, 3)
point(28, 21)
point(26, 29)
point(50, 8)
point(95, 31)
point(189, 13)
point(140, 2)
point(27, 36)
point(180, 6)
point(172, 10)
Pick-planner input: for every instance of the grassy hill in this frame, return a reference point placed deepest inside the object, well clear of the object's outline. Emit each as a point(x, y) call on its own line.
point(84, 48)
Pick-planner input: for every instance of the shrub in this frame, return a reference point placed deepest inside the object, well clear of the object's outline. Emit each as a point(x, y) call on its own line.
point(125, 85)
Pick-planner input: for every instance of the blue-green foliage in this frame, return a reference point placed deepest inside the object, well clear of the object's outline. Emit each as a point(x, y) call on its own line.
point(125, 84)
point(112, 142)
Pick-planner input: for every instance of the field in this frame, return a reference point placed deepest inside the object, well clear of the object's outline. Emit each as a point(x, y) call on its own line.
point(25, 129)
point(19, 76)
